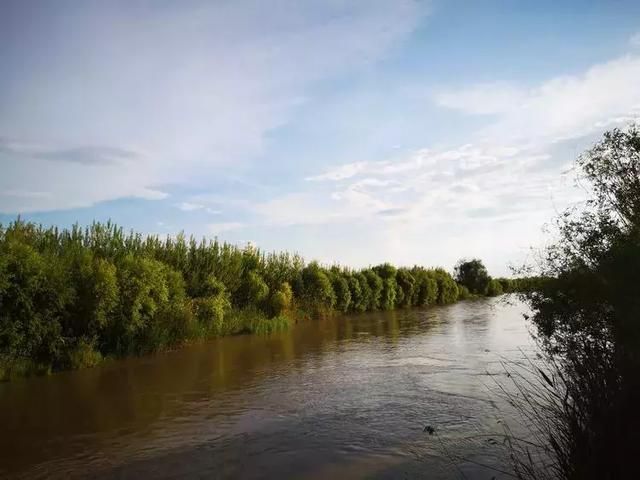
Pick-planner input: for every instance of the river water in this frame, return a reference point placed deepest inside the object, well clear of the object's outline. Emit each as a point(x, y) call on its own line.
point(345, 397)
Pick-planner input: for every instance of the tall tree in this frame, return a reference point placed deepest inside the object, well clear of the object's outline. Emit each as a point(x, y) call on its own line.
point(473, 275)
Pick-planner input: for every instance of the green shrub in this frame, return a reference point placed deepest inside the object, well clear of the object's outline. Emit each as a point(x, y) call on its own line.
point(210, 313)
point(342, 292)
point(83, 355)
point(425, 290)
point(252, 292)
point(375, 288)
point(361, 292)
point(473, 275)
point(406, 285)
point(388, 294)
point(494, 288)
point(463, 293)
point(447, 287)
point(281, 300)
point(262, 325)
point(318, 293)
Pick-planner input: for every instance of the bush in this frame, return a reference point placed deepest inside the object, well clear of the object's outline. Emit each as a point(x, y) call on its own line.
point(69, 297)
point(342, 292)
point(374, 283)
point(388, 295)
point(425, 290)
point(253, 291)
point(281, 300)
point(262, 325)
point(447, 287)
point(210, 313)
point(473, 275)
point(406, 285)
point(318, 294)
point(358, 301)
point(494, 288)
point(586, 308)
point(463, 293)
point(366, 294)
point(84, 355)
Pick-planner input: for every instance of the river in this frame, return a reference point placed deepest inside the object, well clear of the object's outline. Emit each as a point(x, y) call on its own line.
point(346, 397)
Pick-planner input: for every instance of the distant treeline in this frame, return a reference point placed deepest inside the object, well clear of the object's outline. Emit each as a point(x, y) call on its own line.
point(70, 297)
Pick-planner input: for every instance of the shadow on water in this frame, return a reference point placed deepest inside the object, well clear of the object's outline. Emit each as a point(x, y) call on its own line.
point(346, 397)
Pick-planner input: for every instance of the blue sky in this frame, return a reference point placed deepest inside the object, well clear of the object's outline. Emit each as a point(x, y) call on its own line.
point(353, 132)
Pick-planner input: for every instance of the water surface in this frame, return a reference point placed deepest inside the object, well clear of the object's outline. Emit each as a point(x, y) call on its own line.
point(344, 398)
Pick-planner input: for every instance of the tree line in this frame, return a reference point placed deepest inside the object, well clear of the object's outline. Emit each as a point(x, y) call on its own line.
point(70, 297)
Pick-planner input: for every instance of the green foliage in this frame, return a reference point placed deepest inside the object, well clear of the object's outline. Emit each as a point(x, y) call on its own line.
point(84, 355)
point(508, 285)
point(494, 288)
point(210, 314)
point(375, 285)
point(464, 293)
point(447, 287)
point(261, 325)
point(253, 290)
point(425, 291)
point(144, 293)
point(473, 275)
point(388, 295)
point(69, 298)
point(385, 271)
point(586, 309)
point(342, 291)
point(34, 301)
point(406, 284)
point(281, 300)
point(358, 298)
point(366, 294)
point(318, 295)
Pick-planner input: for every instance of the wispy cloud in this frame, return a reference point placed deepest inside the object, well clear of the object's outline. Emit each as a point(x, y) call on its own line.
point(227, 74)
point(25, 194)
point(569, 106)
point(510, 173)
point(193, 207)
point(482, 99)
point(190, 207)
point(340, 173)
point(84, 155)
point(223, 227)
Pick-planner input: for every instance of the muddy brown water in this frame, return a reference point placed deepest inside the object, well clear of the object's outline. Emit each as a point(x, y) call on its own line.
point(347, 397)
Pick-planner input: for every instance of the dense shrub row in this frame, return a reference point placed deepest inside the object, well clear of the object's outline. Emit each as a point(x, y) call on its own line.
point(474, 280)
point(70, 297)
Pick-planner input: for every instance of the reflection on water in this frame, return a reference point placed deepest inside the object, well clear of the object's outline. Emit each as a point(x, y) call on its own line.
point(343, 397)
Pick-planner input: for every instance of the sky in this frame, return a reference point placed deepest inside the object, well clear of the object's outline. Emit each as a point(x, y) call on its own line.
point(356, 132)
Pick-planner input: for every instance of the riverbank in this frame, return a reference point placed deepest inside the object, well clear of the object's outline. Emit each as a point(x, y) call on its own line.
point(72, 297)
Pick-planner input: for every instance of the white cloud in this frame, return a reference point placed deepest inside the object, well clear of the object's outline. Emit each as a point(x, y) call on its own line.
point(226, 74)
point(341, 172)
point(298, 209)
point(634, 40)
point(222, 227)
point(25, 194)
point(190, 207)
point(564, 107)
point(482, 99)
point(498, 189)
